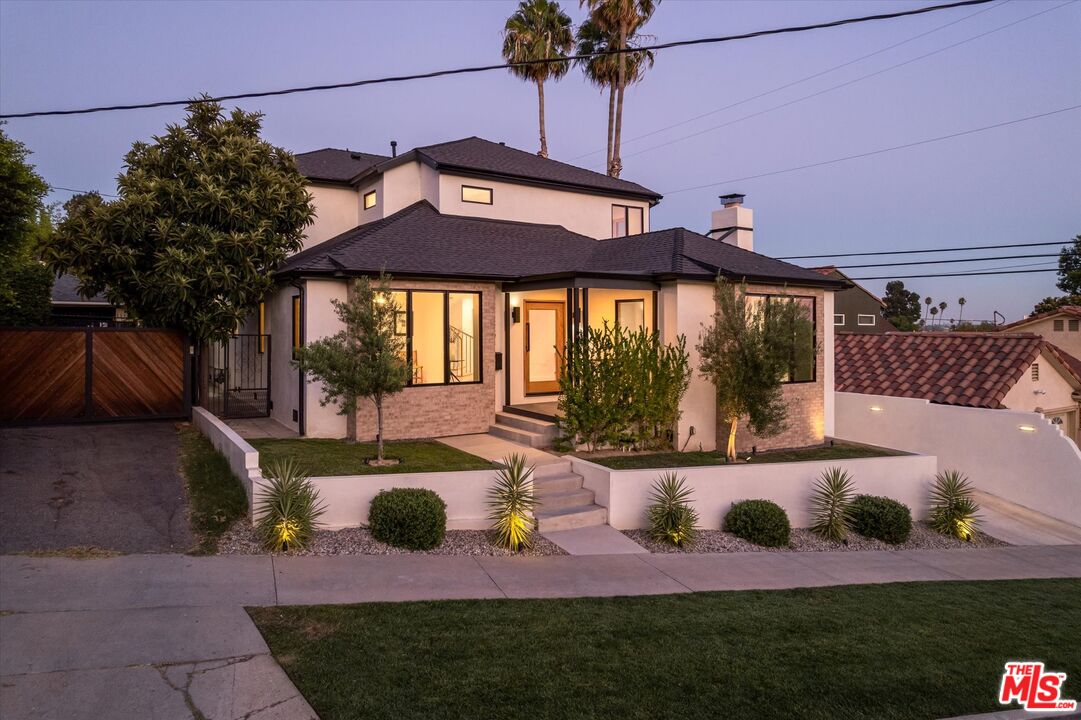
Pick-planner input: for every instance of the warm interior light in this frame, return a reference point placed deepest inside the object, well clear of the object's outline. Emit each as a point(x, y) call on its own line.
point(876, 409)
point(514, 300)
point(1026, 428)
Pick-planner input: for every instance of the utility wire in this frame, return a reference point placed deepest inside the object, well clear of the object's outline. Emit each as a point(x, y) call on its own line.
point(794, 82)
point(81, 192)
point(954, 260)
point(962, 274)
point(877, 152)
point(928, 250)
point(503, 66)
point(853, 81)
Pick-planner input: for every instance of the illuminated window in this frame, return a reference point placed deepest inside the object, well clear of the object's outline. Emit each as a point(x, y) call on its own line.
point(631, 314)
point(442, 333)
point(463, 336)
point(480, 195)
point(262, 327)
point(296, 325)
point(369, 200)
point(627, 220)
point(866, 320)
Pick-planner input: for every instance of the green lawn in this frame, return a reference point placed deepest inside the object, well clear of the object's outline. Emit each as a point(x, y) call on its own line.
point(640, 461)
point(336, 457)
point(215, 496)
point(910, 650)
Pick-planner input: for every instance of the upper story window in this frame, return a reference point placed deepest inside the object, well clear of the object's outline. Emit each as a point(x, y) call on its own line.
point(839, 319)
point(865, 320)
point(369, 200)
point(627, 220)
point(471, 194)
point(1074, 325)
point(1059, 325)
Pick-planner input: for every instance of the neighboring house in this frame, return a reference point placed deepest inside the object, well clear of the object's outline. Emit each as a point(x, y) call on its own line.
point(72, 309)
point(1061, 327)
point(856, 309)
point(995, 370)
point(499, 258)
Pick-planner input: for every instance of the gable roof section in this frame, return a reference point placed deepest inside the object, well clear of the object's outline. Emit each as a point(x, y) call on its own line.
point(1073, 311)
point(420, 241)
point(470, 156)
point(66, 292)
point(832, 271)
point(951, 368)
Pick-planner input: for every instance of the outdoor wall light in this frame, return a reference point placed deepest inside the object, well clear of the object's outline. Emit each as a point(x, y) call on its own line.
point(1026, 428)
point(515, 314)
point(876, 409)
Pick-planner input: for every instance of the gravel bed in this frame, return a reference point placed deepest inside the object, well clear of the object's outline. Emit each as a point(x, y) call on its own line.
point(802, 540)
point(241, 540)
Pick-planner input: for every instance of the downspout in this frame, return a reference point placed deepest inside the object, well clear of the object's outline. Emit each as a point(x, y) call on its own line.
point(303, 288)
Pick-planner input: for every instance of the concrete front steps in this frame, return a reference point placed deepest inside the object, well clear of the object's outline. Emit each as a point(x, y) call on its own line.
point(525, 430)
point(563, 503)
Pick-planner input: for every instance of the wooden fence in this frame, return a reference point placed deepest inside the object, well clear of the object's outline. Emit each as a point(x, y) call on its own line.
point(52, 375)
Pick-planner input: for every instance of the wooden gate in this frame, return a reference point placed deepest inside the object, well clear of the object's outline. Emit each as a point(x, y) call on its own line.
point(51, 375)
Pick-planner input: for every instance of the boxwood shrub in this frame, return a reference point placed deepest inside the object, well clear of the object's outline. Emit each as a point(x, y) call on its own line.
point(762, 522)
point(881, 518)
point(411, 518)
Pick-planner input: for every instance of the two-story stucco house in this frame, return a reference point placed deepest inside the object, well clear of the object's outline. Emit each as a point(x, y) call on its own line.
point(499, 258)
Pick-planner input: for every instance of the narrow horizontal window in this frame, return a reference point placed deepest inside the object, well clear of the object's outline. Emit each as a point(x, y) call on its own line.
point(480, 195)
point(839, 319)
point(369, 200)
point(865, 319)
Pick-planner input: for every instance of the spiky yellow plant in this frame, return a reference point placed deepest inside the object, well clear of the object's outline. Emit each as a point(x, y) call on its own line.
point(953, 511)
point(290, 507)
point(512, 501)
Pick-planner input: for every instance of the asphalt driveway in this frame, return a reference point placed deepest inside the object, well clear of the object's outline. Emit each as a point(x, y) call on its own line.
point(113, 486)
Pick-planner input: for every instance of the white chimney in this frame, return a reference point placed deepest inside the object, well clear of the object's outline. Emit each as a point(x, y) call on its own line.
point(733, 223)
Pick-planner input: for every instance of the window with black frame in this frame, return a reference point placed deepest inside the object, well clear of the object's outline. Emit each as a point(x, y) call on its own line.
point(627, 220)
point(802, 360)
point(442, 335)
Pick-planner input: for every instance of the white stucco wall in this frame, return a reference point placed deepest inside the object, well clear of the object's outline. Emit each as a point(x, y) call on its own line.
point(337, 209)
point(625, 493)
point(1051, 392)
point(1019, 456)
point(321, 321)
point(242, 457)
point(829, 406)
point(579, 212)
point(687, 309)
point(1067, 339)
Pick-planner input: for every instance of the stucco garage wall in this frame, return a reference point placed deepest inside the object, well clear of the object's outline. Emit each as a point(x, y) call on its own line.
point(626, 492)
point(1038, 468)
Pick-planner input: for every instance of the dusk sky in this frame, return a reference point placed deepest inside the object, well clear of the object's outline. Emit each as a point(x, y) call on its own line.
point(1015, 184)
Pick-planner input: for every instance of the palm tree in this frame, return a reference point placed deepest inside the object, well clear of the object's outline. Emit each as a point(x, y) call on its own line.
point(942, 309)
point(961, 313)
point(620, 21)
point(927, 301)
point(538, 29)
point(934, 312)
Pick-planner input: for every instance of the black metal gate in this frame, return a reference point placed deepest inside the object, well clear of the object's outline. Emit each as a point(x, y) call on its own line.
point(238, 377)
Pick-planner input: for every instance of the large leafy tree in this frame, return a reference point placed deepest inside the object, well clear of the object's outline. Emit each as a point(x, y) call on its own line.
point(1069, 268)
point(365, 360)
point(747, 352)
point(206, 212)
point(25, 283)
point(538, 29)
point(902, 306)
point(617, 24)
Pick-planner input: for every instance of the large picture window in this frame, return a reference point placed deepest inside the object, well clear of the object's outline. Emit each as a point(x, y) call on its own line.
point(627, 220)
point(442, 333)
point(802, 363)
point(631, 314)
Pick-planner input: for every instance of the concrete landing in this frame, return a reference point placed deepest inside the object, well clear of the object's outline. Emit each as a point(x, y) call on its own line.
point(1019, 525)
point(595, 540)
point(495, 449)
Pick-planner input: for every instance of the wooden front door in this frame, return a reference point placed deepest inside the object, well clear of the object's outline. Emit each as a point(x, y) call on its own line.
point(545, 333)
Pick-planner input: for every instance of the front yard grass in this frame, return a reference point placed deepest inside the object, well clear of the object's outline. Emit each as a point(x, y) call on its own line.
point(640, 461)
point(904, 650)
point(337, 457)
point(215, 496)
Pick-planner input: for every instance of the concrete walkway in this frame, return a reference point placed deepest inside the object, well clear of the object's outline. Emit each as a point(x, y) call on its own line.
point(495, 449)
point(166, 636)
point(1019, 525)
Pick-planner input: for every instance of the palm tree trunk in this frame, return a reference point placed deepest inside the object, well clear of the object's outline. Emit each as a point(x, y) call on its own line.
point(611, 123)
point(617, 165)
point(540, 105)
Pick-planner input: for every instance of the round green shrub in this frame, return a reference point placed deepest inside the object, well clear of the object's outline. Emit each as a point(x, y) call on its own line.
point(411, 518)
point(762, 522)
point(881, 518)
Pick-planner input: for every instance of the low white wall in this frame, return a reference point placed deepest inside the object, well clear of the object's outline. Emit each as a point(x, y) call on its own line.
point(716, 487)
point(1039, 468)
point(243, 458)
point(347, 497)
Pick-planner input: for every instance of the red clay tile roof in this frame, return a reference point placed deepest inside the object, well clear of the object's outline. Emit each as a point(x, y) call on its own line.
point(1070, 310)
point(1068, 361)
point(951, 368)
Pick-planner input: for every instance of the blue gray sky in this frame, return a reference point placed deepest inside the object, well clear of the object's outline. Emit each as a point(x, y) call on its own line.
point(1020, 183)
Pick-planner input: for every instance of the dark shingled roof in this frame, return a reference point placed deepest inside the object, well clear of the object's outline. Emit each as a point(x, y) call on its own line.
point(472, 155)
point(418, 240)
point(66, 291)
point(339, 166)
point(951, 368)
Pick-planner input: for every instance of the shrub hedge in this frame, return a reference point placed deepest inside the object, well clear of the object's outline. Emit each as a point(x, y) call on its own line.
point(411, 518)
point(881, 518)
point(762, 522)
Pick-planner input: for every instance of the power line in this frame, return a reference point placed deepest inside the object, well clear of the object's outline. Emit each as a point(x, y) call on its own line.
point(81, 192)
point(954, 260)
point(846, 83)
point(794, 82)
point(928, 250)
point(503, 66)
point(962, 274)
point(879, 151)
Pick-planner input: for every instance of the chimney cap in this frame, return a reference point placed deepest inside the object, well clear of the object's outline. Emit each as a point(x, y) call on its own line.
point(732, 199)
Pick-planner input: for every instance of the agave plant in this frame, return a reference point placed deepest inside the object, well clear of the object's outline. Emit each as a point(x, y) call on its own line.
point(512, 502)
point(953, 510)
point(290, 507)
point(671, 517)
point(831, 499)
